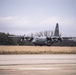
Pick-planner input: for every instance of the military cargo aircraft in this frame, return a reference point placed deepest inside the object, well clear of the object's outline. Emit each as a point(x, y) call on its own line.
point(49, 40)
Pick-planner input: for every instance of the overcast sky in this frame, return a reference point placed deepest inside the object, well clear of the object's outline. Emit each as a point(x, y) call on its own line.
point(27, 16)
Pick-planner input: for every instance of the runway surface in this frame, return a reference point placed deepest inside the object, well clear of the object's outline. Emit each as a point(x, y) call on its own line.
point(54, 64)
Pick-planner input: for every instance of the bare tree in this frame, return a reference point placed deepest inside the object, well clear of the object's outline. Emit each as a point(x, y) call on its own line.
point(42, 33)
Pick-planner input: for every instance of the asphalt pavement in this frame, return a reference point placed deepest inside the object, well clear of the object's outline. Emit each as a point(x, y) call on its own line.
point(54, 64)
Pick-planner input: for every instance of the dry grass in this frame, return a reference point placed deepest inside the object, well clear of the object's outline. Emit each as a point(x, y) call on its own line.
point(36, 50)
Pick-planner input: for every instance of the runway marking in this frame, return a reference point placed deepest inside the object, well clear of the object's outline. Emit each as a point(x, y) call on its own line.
point(38, 68)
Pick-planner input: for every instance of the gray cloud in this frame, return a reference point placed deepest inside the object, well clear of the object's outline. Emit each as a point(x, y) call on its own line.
point(21, 25)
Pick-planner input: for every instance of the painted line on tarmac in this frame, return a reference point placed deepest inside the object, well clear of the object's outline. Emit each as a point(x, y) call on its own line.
point(38, 68)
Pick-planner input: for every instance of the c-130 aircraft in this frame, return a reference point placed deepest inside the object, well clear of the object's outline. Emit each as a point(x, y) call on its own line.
point(56, 37)
point(48, 40)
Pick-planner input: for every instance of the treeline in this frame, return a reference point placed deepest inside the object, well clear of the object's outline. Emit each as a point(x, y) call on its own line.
point(6, 40)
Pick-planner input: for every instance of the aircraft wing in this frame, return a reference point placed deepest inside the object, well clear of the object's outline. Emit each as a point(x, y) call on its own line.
point(22, 37)
point(68, 38)
point(14, 36)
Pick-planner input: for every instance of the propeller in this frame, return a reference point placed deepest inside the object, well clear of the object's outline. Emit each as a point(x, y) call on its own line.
point(23, 37)
point(27, 38)
point(31, 37)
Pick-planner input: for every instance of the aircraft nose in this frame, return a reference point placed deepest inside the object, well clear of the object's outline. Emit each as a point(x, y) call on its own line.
point(33, 41)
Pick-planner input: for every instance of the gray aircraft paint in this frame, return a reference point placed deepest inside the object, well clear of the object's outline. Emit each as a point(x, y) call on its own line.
point(56, 33)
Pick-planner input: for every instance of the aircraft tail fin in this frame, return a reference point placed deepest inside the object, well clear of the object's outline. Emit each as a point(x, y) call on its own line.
point(56, 32)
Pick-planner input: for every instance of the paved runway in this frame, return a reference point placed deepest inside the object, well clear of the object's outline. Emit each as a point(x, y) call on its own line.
point(54, 64)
